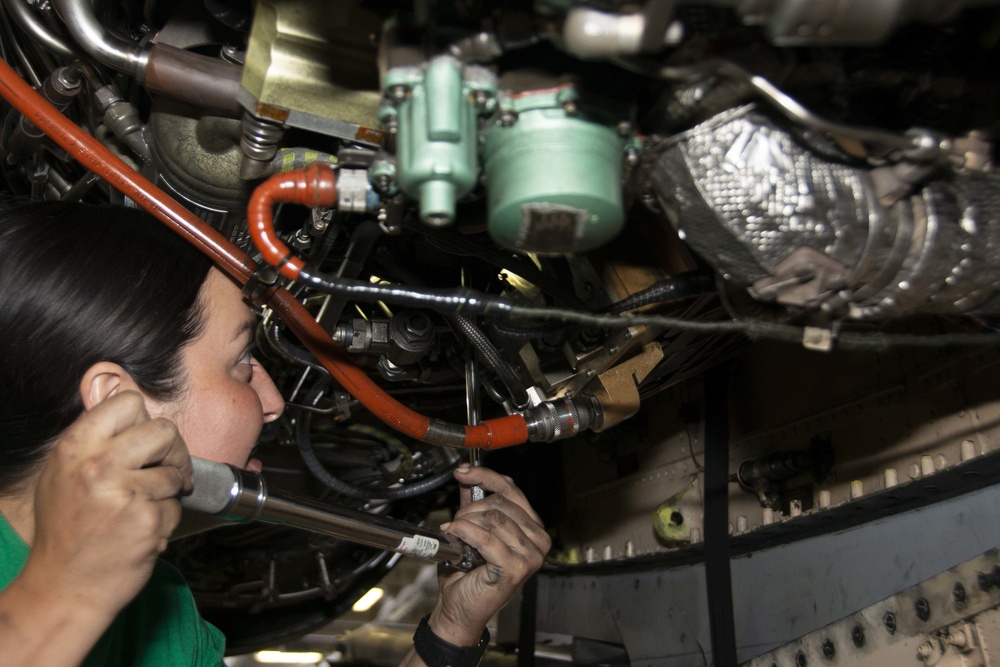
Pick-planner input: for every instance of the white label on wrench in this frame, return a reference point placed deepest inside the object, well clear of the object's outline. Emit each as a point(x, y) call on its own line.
point(419, 546)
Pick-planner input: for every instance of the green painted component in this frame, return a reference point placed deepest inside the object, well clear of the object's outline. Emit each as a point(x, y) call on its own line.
point(553, 179)
point(436, 140)
point(668, 519)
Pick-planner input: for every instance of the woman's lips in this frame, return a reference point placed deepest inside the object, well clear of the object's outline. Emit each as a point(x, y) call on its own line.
point(255, 465)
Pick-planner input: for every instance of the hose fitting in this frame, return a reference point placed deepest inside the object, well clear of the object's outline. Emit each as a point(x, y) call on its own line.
point(562, 418)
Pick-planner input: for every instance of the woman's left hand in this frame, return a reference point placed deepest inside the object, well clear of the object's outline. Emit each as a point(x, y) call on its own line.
point(510, 537)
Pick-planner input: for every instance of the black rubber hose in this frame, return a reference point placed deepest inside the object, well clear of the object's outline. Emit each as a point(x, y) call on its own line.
point(682, 286)
point(319, 471)
point(292, 353)
point(523, 333)
point(451, 301)
point(491, 355)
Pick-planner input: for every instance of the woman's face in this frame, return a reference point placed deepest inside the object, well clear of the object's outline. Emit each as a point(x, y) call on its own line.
point(226, 395)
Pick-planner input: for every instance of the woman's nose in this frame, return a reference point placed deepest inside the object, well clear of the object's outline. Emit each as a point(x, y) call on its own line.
point(270, 398)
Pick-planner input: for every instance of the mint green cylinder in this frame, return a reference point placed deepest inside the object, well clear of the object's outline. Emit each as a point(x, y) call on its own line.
point(436, 140)
point(553, 183)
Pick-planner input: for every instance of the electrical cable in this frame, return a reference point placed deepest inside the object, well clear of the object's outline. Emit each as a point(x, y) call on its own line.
point(91, 154)
point(316, 186)
point(451, 300)
point(319, 471)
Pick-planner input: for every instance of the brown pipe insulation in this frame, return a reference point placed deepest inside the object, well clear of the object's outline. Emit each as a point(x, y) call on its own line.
point(207, 83)
point(491, 434)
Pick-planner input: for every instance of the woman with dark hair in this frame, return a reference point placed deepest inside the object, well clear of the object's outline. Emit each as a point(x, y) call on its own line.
point(122, 351)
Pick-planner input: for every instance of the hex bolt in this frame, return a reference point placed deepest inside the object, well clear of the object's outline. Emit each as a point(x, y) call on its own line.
point(923, 609)
point(480, 98)
point(624, 128)
point(399, 93)
point(829, 650)
point(984, 581)
point(801, 660)
point(382, 183)
point(570, 108)
point(508, 117)
point(858, 636)
point(889, 621)
point(958, 592)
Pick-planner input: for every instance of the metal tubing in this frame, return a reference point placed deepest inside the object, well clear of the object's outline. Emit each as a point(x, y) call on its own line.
point(113, 51)
point(29, 23)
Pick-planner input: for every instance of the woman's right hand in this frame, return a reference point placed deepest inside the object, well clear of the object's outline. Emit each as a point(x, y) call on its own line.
point(106, 503)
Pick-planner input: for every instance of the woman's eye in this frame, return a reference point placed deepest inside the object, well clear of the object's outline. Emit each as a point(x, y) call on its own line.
point(246, 363)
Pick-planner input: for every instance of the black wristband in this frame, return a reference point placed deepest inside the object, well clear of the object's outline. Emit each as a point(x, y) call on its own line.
point(436, 652)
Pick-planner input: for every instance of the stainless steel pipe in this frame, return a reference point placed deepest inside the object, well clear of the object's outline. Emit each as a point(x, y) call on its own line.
point(227, 492)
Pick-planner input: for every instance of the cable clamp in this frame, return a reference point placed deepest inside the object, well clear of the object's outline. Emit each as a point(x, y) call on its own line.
point(259, 286)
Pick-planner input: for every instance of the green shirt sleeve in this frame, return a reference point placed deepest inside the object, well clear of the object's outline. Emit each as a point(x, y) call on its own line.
point(161, 627)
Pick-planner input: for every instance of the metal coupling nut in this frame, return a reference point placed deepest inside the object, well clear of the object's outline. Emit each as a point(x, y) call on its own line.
point(563, 418)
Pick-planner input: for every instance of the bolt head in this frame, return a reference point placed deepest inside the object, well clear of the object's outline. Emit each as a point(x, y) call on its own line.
point(923, 609)
point(481, 98)
point(889, 621)
point(507, 118)
point(399, 93)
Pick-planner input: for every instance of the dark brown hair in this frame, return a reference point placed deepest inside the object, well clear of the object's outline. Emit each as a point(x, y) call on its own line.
point(81, 284)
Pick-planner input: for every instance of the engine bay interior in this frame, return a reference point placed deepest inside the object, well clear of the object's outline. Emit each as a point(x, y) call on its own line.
point(709, 279)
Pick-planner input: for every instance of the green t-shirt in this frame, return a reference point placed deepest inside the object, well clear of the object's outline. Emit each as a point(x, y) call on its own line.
point(161, 627)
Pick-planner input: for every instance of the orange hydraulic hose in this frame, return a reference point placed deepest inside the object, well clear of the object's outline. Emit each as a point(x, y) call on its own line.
point(93, 155)
point(314, 186)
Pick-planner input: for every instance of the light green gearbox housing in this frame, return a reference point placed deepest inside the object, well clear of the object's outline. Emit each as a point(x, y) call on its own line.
point(435, 109)
point(553, 177)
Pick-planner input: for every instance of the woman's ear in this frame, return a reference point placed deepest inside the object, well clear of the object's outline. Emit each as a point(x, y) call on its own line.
point(103, 380)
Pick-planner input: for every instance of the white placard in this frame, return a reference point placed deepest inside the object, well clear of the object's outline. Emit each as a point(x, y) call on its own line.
point(419, 546)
